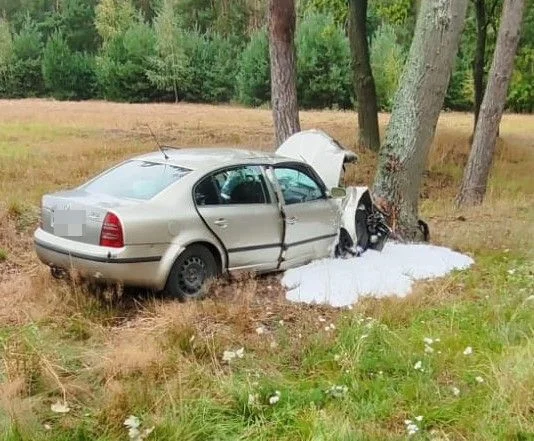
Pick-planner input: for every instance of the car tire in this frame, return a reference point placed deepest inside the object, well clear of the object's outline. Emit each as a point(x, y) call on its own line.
point(190, 272)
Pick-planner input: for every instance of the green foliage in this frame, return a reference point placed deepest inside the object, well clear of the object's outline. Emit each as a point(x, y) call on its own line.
point(387, 62)
point(211, 68)
point(27, 72)
point(113, 18)
point(521, 93)
point(254, 78)
point(323, 63)
point(124, 62)
point(339, 9)
point(6, 58)
point(67, 74)
point(78, 24)
point(169, 64)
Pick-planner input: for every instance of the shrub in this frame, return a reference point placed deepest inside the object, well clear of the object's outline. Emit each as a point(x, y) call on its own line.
point(211, 68)
point(67, 74)
point(387, 61)
point(323, 63)
point(27, 70)
point(123, 65)
point(254, 78)
point(521, 93)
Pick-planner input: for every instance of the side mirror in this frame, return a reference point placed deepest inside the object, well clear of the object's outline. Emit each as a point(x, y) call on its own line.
point(338, 192)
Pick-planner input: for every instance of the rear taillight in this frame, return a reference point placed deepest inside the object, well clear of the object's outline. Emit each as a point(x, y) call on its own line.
point(111, 234)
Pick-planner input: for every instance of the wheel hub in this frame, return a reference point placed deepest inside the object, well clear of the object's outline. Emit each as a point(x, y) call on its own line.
point(192, 275)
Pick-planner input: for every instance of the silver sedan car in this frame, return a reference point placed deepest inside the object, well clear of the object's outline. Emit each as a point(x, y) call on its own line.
point(172, 219)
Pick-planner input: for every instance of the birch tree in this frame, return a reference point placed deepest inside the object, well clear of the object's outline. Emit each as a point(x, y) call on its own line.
point(476, 174)
point(403, 156)
point(283, 69)
point(169, 65)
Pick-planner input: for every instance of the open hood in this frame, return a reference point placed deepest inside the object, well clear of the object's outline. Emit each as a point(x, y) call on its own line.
point(319, 150)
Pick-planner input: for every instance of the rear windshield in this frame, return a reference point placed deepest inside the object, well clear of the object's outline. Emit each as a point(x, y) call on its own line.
point(136, 179)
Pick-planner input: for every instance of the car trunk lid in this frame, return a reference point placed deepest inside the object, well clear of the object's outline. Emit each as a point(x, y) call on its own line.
point(77, 214)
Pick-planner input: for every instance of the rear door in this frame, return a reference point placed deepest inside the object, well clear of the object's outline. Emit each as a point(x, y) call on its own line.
point(237, 206)
point(312, 219)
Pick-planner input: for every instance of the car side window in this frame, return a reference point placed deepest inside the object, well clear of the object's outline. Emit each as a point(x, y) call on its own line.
point(239, 185)
point(297, 186)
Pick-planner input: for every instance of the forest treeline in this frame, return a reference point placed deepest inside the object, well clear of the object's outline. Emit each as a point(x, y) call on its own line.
point(217, 51)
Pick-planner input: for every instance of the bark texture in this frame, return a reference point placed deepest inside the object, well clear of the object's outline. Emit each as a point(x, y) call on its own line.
point(364, 83)
point(283, 69)
point(416, 109)
point(476, 173)
point(480, 55)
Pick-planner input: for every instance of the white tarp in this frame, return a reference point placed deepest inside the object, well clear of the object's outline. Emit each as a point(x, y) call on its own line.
point(320, 151)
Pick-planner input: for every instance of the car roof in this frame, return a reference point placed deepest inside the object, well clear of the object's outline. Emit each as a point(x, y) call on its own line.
point(207, 158)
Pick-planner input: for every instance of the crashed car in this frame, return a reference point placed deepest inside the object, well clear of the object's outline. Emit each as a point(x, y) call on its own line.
point(172, 219)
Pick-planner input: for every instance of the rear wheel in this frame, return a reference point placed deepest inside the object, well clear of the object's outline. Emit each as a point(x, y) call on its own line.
point(189, 274)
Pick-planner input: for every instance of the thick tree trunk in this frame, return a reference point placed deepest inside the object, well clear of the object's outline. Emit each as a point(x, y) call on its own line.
point(364, 83)
point(416, 109)
point(480, 55)
point(283, 69)
point(476, 174)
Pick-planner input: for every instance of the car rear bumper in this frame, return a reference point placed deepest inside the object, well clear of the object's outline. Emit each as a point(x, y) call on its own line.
point(101, 263)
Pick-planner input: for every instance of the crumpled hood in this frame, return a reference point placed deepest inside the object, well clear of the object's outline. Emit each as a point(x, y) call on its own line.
point(320, 151)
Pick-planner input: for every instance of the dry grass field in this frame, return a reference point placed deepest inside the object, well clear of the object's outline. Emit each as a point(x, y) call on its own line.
point(110, 356)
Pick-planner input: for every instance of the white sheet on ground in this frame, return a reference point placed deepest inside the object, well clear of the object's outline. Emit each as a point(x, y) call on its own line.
point(340, 282)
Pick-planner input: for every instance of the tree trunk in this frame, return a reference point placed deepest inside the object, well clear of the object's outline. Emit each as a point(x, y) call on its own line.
point(476, 174)
point(480, 55)
point(364, 83)
point(416, 109)
point(283, 69)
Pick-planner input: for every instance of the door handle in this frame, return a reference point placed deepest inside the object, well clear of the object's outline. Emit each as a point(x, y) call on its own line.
point(221, 222)
point(292, 220)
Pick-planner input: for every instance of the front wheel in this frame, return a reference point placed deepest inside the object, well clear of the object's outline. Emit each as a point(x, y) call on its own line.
point(189, 274)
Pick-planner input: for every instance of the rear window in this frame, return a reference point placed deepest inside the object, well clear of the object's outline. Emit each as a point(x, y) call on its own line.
point(136, 179)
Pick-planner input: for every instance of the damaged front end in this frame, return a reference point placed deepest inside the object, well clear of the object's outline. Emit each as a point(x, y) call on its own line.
point(363, 225)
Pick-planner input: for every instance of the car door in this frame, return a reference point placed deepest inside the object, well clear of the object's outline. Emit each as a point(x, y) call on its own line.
point(311, 217)
point(237, 206)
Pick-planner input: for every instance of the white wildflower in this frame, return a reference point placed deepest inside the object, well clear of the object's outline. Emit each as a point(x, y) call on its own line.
point(260, 330)
point(60, 407)
point(337, 391)
point(332, 326)
point(455, 391)
point(429, 349)
point(419, 418)
point(428, 340)
point(273, 344)
point(47, 426)
point(411, 427)
point(511, 271)
point(134, 432)
point(418, 366)
point(479, 380)
point(281, 322)
point(273, 399)
point(322, 319)
point(437, 340)
point(337, 357)
point(228, 356)
point(529, 298)
point(468, 350)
